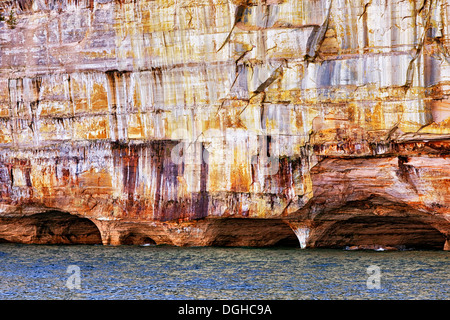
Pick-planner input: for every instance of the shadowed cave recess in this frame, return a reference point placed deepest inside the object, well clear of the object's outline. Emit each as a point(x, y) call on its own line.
point(363, 232)
point(52, 227)
point(382, 233)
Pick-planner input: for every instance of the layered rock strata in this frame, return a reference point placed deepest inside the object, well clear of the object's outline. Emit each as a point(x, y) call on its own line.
point(320, 123)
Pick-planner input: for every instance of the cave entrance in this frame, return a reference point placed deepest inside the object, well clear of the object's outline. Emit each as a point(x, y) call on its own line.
point(51, 227)
point(378, 231)
point(137, 239)
point(252, 232)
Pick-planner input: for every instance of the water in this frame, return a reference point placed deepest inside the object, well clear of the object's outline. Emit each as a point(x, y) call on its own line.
point(163, 272)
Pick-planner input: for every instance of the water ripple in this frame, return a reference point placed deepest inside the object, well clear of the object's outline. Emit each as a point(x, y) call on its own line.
point(133, 272)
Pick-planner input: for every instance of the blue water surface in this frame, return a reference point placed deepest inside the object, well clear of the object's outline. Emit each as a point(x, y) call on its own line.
point(164, 272)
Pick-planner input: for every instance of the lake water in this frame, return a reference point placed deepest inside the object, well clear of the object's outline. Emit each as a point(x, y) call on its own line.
point(164, 272)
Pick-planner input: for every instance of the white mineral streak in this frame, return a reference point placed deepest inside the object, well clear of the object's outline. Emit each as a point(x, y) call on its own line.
point(302, 234)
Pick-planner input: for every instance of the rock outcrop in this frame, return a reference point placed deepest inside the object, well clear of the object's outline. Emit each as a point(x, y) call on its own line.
point(320, 123)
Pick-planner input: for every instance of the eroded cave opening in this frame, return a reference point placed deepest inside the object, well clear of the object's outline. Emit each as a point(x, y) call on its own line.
point(252, 232)
point(51, 227)
point(137, 239)
point(382, 231)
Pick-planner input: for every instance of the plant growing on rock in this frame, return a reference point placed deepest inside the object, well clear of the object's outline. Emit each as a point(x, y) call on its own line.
point(11, 20)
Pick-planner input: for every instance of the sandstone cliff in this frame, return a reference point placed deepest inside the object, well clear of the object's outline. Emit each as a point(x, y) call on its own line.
point(324, 123)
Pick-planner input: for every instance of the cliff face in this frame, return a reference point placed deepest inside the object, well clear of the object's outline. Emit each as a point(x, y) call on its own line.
point(324, 123)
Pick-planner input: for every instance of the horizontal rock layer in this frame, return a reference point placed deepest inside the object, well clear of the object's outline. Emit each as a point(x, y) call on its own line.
point(162, 121)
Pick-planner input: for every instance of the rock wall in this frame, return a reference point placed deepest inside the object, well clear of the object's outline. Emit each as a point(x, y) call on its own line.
point(161, 121)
